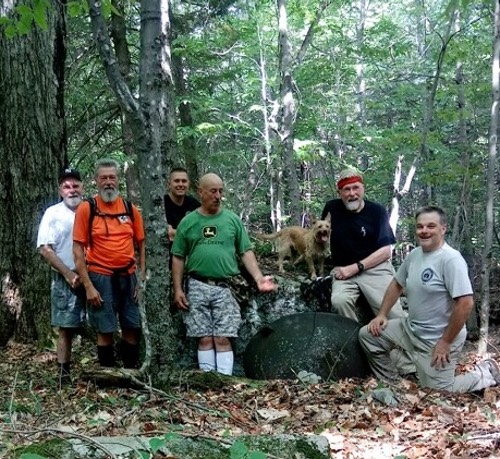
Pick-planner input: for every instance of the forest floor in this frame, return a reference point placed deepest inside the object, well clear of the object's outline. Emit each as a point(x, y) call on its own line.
point(424, 424)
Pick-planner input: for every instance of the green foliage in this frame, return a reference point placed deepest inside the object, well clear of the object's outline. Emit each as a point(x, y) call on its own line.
point(240, 450)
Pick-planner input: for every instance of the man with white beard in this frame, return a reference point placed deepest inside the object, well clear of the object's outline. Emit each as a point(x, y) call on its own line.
point(55, 244)
point(107, 232)
point(361, 249)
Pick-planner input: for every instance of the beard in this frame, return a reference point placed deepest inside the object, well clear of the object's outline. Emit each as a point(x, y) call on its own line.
point(72, 202)
point(109, 194)
point(353, 206)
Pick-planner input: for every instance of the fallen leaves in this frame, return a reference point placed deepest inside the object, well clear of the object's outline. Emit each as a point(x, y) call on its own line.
point(424, 424)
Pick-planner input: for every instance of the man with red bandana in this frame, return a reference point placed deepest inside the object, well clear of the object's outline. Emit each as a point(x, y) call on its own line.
point(361, 249)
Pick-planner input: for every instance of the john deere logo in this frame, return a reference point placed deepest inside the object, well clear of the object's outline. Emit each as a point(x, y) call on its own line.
point(209, 232)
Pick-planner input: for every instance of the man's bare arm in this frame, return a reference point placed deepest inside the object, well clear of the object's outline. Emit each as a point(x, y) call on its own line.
point(462, 307)
point(53, 259)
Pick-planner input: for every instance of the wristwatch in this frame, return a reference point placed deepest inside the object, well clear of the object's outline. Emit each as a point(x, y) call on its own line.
point(361, 267)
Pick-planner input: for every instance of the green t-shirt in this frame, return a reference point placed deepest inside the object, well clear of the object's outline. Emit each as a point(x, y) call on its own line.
point(211, 243)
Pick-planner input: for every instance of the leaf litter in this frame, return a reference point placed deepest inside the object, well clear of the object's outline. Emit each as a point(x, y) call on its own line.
point(423, 424)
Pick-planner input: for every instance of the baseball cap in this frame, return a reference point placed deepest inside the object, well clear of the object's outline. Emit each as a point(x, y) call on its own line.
point(69, 173)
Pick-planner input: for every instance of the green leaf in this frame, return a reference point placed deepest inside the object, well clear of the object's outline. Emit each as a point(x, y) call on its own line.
point(257, 455)
point(10, 31)
point(40, 14)
point(106, 8)
point(23, 28)
point(170, 436)
point(74, 9)
point(24, 10)
point(238, 450)
point(156, 443)
point(31, 456)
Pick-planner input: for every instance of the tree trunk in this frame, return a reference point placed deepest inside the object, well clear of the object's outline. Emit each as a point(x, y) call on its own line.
point(157, 99)
point(429, 99)
point(360, 73)
point(118, 32)
point(490, 187)
point(287, 116)
point(149, 120)
point(32, 154)
point(188, 141)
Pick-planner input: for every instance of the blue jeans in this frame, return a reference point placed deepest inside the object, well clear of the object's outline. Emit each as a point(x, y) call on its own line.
point(117, 293)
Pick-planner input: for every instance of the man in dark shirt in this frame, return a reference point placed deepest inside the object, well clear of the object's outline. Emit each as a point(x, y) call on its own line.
point(361, 250)
point(177, 202)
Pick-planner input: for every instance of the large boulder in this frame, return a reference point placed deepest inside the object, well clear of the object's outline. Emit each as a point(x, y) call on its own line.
point(322, 343)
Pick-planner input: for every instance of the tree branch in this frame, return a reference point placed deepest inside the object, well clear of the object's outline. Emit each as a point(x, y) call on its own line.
point(110, 63)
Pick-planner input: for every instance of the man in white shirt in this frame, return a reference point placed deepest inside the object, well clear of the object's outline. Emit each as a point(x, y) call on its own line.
point(55, 244)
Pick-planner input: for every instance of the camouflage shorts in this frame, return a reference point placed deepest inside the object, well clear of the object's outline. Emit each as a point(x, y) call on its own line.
point(213, 311)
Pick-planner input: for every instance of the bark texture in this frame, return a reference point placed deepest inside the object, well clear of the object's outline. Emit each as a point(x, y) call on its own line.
point(152, 123)
point(32, 153)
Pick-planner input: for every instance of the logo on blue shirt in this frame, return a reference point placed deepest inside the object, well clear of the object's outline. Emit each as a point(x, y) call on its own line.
point(427, 275)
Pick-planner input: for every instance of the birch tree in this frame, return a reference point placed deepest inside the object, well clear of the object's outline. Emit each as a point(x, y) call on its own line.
point(490, 185)
point(152, 123)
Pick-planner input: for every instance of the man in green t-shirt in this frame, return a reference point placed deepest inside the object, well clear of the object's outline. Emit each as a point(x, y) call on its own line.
point(207, 245)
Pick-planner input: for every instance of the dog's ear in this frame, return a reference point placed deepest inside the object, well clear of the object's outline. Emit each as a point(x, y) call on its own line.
point(328, 217)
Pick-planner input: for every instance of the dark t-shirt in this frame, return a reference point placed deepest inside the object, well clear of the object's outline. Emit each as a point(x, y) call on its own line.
point(355, 235)
point(175, 213)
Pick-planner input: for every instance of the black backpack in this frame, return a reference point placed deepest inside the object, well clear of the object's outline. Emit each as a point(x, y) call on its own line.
point(94, 210)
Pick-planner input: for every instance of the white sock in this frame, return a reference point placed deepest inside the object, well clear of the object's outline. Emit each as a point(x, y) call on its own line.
point(206, 359)
point(225, 362)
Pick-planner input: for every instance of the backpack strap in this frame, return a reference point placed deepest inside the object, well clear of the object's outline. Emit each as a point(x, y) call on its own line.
point(94, 210)
point(93, 206)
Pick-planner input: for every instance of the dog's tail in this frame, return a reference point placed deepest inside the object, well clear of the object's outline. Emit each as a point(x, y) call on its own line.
point(268, 237)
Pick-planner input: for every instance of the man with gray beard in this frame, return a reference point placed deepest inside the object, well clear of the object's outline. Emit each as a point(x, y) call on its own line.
point(361, 250)
point(108, 230)
point(55, 243)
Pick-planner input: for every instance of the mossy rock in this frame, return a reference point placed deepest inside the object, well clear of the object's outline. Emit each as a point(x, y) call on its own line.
point(322, 343)
point(174, 445)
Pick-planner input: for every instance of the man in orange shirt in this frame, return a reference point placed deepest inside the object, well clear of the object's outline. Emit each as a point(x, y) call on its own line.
point(106, 232)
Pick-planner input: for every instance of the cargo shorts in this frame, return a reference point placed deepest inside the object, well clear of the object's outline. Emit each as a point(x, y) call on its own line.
point(213, 311)
point(67, 306)
point(117, 294)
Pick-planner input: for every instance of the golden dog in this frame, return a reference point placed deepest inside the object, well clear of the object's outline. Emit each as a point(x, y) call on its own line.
point(310, 244)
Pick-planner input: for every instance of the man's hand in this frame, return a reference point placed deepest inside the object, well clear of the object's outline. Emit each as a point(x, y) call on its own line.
point(344, 272)
point(440, 354)
point(171, 233)
point(73, 279)
point(266, 284)
point(180, 300)
point(93, 297)
point(376, 325)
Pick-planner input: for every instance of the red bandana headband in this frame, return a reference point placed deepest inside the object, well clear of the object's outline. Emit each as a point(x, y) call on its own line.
point(348, 180)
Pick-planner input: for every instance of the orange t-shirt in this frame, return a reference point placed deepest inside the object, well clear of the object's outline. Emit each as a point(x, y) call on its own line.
point(113, 238)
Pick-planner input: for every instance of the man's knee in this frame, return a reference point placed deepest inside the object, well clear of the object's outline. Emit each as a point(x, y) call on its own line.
point(344, 304)
point(205, 343)
point(222, 343)
point(364, 336)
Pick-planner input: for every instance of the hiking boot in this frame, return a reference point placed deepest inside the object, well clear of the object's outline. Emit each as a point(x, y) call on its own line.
point(494, 369)
point(129, 354)
point(106, 356)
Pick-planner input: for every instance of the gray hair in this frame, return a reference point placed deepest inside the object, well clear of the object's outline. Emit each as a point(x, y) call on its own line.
point(443, 219)
point(107, 162)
